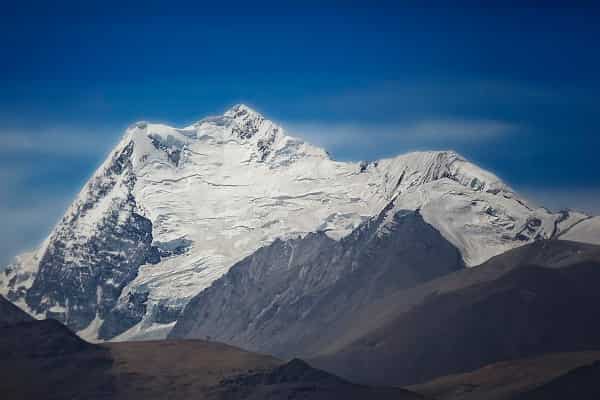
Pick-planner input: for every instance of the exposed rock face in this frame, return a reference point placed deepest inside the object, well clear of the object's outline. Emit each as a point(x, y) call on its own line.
point(294, 296)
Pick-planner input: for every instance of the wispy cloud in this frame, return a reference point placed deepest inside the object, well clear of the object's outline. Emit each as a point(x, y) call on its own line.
point(59, 141)
point(439, 96)
point(408, 135)
point(460, 129)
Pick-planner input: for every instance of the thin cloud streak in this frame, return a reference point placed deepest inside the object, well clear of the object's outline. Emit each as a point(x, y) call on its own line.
point(340, 135)
point(420, 97)
point(60, 142)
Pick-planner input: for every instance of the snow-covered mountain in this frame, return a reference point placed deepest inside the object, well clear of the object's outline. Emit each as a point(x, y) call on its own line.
point(171, 210)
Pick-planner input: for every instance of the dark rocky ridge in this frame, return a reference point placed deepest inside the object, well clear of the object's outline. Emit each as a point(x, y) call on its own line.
point(293, 297)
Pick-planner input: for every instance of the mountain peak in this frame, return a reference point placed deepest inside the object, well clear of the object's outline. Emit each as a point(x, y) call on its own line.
point(246, 122)
point(242, 111)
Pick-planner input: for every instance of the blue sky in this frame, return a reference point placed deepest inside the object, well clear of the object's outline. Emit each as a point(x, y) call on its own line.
point(515, 89)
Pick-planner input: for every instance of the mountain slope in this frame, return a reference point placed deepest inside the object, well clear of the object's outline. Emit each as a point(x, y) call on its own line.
point(171, 210)
point(295, 296)
point(526, 311)
point(546, 253)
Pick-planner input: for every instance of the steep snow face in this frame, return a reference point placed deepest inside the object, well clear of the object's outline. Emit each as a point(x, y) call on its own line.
point(171, 210)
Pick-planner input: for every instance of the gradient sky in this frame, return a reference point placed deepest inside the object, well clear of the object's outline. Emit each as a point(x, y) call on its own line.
point(514, 89)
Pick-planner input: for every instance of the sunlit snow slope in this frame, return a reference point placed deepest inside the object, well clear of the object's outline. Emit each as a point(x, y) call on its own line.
point(171, 210)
